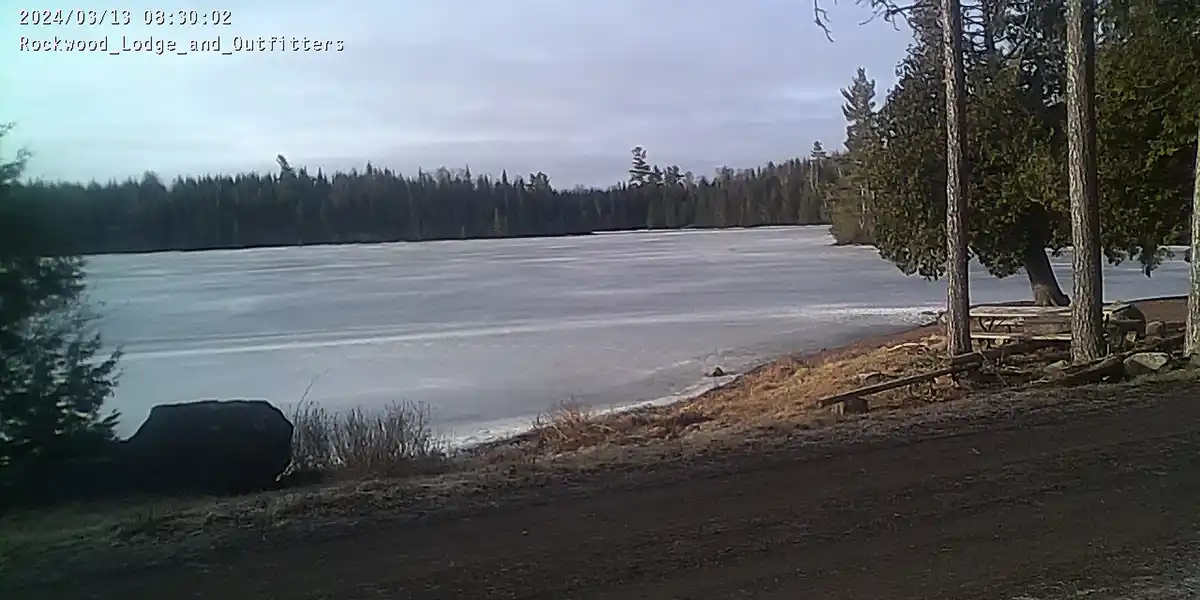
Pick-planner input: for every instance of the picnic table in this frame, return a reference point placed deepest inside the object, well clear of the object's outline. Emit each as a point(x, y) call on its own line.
point(998, 324)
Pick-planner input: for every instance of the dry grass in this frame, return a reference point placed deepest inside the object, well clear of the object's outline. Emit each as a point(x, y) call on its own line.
point(569, 424)
point(390, 441)
point(786, 390)
point(789, 389)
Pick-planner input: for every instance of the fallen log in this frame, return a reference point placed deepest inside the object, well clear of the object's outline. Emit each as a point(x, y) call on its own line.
point(1093, 372)
point(896, 383)
point(959, 363)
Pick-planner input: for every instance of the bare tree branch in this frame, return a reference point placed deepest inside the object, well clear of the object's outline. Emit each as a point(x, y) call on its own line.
point(889, 10)
point(821, 17)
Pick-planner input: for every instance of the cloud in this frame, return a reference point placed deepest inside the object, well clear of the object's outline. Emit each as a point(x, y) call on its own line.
point(523, 85)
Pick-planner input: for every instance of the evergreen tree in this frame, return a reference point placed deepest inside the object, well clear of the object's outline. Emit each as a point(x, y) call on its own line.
point(52, 387)
point(640, 171)
point(1016, 138)
point(859, 111)
point(850, 213)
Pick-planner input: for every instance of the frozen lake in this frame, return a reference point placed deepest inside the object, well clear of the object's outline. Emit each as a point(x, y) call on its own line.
point(492, 332)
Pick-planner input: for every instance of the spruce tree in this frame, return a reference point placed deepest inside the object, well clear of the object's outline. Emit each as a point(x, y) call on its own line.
point(53, 384)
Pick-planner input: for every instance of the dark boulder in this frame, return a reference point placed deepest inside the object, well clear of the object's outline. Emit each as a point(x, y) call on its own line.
point(210, 446)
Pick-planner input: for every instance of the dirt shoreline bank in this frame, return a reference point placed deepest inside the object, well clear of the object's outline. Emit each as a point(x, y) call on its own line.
point(166, 531)
point(898, 335)
point(160, 544)
point(1012, 451)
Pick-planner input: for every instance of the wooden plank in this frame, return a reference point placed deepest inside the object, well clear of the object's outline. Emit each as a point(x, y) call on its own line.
point(1015, 312)
point(896, 383)
point(1032, 337)
point(959, 363)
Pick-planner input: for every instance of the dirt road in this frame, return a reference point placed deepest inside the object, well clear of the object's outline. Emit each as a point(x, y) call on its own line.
point(1026, 501)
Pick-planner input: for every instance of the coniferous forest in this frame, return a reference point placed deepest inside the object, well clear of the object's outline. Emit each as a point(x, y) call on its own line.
point(885, 186)
point(295, 206)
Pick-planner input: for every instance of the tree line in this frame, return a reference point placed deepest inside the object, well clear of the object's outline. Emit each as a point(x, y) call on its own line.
point(294, 206)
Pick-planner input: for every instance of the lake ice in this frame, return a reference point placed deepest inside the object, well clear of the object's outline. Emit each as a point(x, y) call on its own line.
point(491, 332)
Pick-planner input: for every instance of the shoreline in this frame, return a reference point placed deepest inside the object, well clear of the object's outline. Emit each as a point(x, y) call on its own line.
point(694, 391)
point(661, 446)
point(766, 394)
point(270, 245)
point(139, 544)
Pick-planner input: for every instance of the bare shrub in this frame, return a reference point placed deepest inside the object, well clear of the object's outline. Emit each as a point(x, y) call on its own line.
point(570, 426)
point(388, 441)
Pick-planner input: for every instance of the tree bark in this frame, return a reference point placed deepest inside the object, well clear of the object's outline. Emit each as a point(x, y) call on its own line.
point(958, 333)
point(1042, 281)
point(1087, 341)
point(1192, 341)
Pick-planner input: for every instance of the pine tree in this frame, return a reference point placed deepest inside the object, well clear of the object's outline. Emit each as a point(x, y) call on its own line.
point(859, 111)
point(640, 171)
point(1087, 343)
point(850, 215)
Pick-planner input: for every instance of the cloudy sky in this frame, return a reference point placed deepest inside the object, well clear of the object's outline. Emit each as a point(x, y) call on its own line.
point(567, 87)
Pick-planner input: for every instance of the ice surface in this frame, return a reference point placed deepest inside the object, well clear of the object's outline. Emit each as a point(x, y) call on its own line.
point(492, 332)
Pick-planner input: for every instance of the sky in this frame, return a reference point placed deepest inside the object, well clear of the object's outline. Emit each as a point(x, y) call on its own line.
point(564, 87)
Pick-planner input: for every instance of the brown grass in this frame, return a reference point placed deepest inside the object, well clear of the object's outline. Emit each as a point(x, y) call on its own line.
point(390, 441)
point(786, 390)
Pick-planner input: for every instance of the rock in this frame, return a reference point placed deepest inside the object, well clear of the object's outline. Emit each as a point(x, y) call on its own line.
point(211, 446)
point(1131, 338)
point(1055, 367)
point(1144, 363)
point(716, 372)
point(1131, 318)
point(1155, 329)
point(851, 406)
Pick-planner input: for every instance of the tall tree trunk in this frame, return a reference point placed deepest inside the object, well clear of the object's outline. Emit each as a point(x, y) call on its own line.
point(1087, 341)
point(1042, 281)
point(958, 333)
point(1192, 346)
